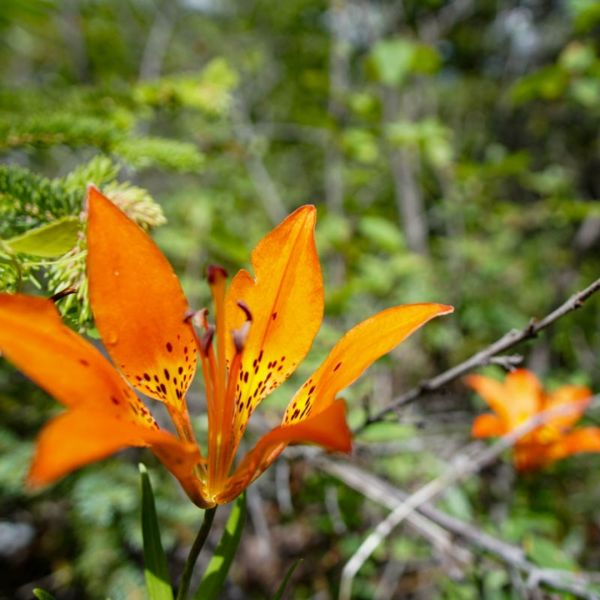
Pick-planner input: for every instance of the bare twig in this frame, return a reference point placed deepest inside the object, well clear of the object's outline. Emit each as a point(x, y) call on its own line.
point(387, 495)
point(264, 184)
point(485, 356)
point(158, 41)
point(469, 461)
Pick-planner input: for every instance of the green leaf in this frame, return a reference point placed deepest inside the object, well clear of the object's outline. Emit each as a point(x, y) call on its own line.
point(218, 567)
point(41, 594)
point(279, 594)
point(47, 241)
point(391, 60)
point(155, 562)
point(548, 554)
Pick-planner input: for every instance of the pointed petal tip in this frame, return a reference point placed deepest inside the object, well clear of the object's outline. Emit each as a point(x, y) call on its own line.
point(307, 211)
point(438, 309)
point(93, 193)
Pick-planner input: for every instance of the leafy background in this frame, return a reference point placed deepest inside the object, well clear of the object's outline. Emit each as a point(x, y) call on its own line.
point(452, 151)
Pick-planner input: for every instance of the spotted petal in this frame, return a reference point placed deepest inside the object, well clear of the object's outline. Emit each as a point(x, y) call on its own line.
point(285, 300)
point(34, 338)
point(138, 305)
point(327, 429)
point(355, 352)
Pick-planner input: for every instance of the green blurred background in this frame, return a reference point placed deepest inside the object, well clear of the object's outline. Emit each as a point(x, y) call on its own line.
point(452, 151)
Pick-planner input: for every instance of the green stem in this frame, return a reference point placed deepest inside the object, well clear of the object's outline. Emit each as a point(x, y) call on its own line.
point(209, 515)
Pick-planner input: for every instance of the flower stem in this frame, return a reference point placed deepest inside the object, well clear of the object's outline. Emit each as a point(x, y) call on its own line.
point(209, 515)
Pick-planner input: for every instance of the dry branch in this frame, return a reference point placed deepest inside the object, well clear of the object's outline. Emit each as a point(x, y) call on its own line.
point(484, 357)
point(468, 462)
point(384, 493)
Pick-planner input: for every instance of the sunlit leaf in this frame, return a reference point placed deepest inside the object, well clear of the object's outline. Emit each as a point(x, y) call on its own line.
point(156, 570)
point(47, 241)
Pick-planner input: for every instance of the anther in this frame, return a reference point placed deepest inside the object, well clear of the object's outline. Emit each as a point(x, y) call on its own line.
point(214, 273)
point(206, 339)
point(246, 310)
point(197, 317)
point(240, 336)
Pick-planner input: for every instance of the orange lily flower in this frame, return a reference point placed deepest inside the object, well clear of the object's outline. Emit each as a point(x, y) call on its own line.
point(521, 397)
point(265, 325)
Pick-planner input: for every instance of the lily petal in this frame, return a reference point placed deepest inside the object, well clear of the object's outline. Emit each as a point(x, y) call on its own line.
point(104, 414)
point(34, 338)
point(524, 394)
point(514, 400)
point(327, 429)
point(357, 350)
point(285, 300)
point(79, 437)
point(584, 439)
point(575, 397)
point(488, 425)
point(138, 305)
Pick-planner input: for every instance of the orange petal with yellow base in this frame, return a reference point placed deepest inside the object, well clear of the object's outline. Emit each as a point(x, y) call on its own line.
point(285, 299)
point(515, 400)
point(355, 352)
point(575, 398)
point(327, 429)
point(523, 396)
point(138, 305)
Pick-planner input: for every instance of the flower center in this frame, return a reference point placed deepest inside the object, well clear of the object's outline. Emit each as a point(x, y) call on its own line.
point(220, 378)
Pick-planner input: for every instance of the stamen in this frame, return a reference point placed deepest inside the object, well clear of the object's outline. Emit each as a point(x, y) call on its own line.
point(197, 317)
point(216, 278)
point(206, 340)
point(239, 338)
point(214, 273)
point(246, 310)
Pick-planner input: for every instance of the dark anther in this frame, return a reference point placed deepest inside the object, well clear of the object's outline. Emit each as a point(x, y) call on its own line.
point(240, 336)
point(214, 272)
point(246, 310)
point(197, 317)
point(60, 295)
point(206, 339)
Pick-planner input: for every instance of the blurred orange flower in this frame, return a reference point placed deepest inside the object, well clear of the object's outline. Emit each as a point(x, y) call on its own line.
point(521, 397)
point(265, 325)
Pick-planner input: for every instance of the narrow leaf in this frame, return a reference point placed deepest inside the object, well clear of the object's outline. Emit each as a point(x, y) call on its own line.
point(218, 567)
point(286, 579)
point(155, 562)
point(41, 594)
point(47, 241)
